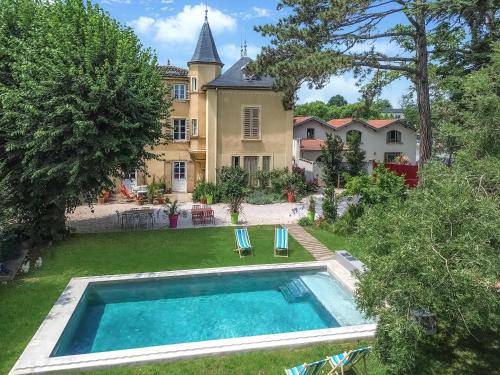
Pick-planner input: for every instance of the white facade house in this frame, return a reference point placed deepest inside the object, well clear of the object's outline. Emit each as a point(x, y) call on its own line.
point(382, 140)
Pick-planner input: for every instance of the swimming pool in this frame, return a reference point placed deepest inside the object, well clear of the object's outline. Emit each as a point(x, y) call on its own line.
point(102, 321)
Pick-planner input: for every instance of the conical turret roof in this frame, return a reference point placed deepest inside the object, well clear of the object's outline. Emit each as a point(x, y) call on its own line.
point(205, 51)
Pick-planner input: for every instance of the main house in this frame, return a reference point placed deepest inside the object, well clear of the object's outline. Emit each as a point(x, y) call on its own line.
point(220, 119)
point(382, 140)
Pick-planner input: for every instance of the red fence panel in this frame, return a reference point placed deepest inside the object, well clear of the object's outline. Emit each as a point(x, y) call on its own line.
point(409, 172)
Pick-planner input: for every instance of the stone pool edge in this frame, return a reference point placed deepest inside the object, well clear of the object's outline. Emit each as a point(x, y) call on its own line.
point(36, 357)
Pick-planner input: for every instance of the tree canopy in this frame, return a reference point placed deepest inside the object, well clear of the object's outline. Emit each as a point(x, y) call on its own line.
point(337, 100)
point(322, 37)
point(437, 250)
point(327, 111)
point(81, 103)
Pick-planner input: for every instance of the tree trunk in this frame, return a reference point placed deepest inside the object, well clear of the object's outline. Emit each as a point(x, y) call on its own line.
point(422, 88)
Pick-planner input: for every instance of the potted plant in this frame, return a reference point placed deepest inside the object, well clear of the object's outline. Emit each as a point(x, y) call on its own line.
point(139, 200)
point(160, 198)
point(203, 199)
point(210, 189)
point(173, 212)
point(152, 192)
point(103, 196)
point(235, 205)
point(311, 210)
point(289, 189)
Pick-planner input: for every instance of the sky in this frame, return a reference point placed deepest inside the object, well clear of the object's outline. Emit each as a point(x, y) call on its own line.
point(171, 28)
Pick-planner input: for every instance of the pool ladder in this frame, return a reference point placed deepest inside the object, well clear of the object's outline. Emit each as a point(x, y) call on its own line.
point(294, 291)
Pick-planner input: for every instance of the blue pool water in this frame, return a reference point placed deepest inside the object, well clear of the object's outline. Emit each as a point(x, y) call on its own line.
point(169, 311)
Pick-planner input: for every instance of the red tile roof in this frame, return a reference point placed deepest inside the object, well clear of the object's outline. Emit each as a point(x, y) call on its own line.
point(311, 144)
point(298, 119)
point(339, 122)
point(381, 123)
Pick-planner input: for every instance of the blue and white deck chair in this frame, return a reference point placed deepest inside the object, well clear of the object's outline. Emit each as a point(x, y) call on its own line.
point(243, 244)
point(312, 368)
point(281, 242)
point(346, 361)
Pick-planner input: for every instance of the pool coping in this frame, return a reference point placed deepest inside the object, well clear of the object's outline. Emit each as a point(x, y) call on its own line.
point(36, 357)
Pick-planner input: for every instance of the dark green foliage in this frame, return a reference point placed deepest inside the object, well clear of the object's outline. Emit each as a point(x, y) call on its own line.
point(80, 102)
point(337, 100)
point(332, 154)
point(329, 205)
point(326, 112)
point(381, 186)
point(9, 243)
point(437, 250)
point(347, 224)
point(231, 181)
point(263, 177)
point(355, 155)
point(305, 222)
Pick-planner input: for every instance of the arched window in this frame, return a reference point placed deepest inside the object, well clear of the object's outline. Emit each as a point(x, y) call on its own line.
point(393, 136)
point(351, 134)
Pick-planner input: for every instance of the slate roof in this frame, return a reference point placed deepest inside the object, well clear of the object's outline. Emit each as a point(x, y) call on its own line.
point(235, 77)
point(172, 71)
point(205, 51)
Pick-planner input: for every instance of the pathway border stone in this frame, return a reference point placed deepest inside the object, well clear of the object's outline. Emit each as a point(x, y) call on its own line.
point(311, 244)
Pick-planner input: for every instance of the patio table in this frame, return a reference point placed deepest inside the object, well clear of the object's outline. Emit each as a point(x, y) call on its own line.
point(137, 218)
point(202, 215)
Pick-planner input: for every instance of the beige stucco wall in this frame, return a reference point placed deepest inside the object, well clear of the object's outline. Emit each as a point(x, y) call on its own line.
point(224, 129)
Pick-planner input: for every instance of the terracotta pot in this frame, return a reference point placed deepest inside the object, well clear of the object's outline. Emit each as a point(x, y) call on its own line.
point(203, 200)
point(172, 221)
point(101, 200)
point(290, 196)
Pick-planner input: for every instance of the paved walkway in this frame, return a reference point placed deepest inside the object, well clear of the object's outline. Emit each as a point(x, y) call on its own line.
point(311, 244)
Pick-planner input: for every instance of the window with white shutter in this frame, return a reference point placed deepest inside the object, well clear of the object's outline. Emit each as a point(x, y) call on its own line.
point(251, 122)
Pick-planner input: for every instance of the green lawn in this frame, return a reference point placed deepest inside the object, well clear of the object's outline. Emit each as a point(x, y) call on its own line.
point(26, 302)
point(332, 241)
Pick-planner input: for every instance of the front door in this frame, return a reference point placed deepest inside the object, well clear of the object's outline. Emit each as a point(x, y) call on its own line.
point(179, 177)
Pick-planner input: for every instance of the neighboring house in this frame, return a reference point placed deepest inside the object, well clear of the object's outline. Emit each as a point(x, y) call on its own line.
point(220, 120)
point(395, 113)
point(382, 140)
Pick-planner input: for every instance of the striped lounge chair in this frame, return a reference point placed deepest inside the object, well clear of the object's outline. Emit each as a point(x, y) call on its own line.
point(243, 245)
point(346, 361)
point(312, 368)
point(281, 242)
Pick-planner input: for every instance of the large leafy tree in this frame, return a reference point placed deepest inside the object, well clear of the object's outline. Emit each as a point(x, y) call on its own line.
point(337, 100)
point(448, 264)
point(81, 102)
point(323, 37)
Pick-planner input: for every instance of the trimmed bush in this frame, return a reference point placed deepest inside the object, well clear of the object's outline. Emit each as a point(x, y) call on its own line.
point(261, 196)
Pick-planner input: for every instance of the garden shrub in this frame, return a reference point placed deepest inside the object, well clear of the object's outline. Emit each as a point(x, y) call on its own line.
point(380, 187)
point(262, 196)
point(305, 222)
point(231, 182)
point(263, 177)
point(199, 191)
point(329, 205)
point(347, 224)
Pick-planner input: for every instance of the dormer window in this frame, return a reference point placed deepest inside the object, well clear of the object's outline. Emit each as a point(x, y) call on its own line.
point(246, 75)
